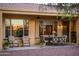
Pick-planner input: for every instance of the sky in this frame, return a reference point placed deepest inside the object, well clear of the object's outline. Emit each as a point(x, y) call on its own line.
point(39, 1)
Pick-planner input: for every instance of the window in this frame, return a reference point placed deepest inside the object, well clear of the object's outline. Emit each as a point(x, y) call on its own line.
point(7, 28)
point(16, 27)
point(26, 27)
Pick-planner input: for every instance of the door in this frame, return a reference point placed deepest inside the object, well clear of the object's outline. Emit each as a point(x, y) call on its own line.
point(73, 31)
point(16, 29)
point(48, 30)
point(66, 29)
point(48, 27)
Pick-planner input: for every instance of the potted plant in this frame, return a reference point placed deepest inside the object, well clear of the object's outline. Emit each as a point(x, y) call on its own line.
point(42, 43)
point(5, 44)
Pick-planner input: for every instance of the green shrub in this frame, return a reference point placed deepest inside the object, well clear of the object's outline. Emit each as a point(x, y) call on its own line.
point(5, 43)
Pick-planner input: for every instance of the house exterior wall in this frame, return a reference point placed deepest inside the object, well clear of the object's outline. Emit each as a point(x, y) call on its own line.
point(59, 29)
point(1, 30)
point(37, 31)
point(77, 30)
point(32, 31)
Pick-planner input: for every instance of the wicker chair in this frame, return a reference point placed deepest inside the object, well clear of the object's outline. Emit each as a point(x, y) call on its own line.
point(13, 41)
point(26, 41)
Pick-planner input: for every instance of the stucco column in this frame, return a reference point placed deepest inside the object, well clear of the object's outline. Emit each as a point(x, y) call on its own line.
point(32, 32)
point(70, 32)
point(77, 31)
point(37, 31)
point(59, 28)
point(1, 30)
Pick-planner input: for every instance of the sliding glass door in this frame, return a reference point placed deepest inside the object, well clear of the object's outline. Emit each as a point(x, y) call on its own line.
point(17, 28)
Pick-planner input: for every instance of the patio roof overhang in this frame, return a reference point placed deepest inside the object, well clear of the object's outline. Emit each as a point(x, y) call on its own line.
point(37, 14)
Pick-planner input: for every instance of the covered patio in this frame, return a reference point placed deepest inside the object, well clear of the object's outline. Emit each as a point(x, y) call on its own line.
point(23, 27)
point(22, 31)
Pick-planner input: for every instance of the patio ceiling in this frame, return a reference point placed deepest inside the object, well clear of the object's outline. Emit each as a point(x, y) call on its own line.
point(24, 16)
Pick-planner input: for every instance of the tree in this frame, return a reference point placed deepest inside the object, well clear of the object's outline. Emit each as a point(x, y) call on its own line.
point(19, 32)
point(67, 9)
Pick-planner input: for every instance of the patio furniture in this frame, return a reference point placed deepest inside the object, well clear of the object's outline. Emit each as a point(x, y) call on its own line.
point(26, 41)
point(64, 38)
point(13, 41)
point(55, 40)
point(43, 41)
point(59, 39)
point(46, 39)
point(49, 40)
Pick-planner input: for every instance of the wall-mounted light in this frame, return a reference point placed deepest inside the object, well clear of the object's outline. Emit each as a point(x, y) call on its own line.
point(38, 17)
point(60, 26)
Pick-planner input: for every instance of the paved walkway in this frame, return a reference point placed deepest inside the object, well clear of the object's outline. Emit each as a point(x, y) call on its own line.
point(43, 51)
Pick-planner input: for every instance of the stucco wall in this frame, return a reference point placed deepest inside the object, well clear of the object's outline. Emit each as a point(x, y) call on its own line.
point(32, 31)
point(77, 31)
point(37, 31)
point(59, 28)
point(1, 30)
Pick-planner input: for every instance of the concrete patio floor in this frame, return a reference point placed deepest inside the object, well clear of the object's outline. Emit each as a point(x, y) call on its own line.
point(42, 51)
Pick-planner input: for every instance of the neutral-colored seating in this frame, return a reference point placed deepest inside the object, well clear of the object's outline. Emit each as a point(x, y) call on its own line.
point(55, 39)
point(60, 39)
point(26, 41)
point(13, 41)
